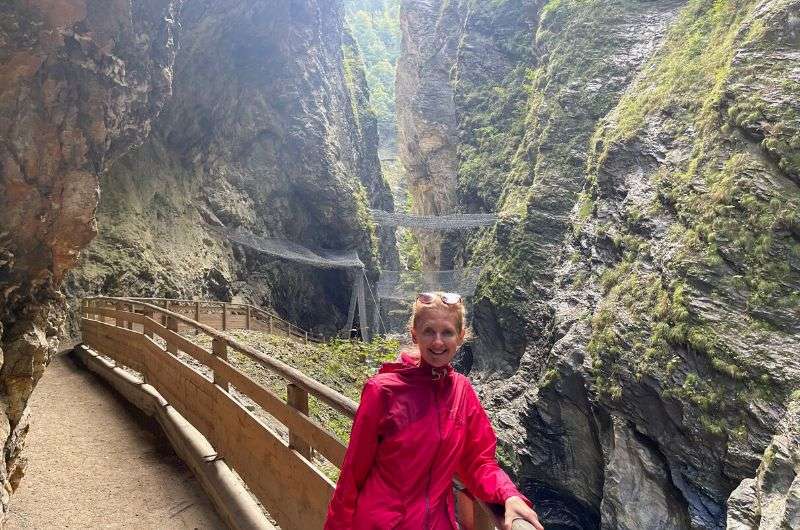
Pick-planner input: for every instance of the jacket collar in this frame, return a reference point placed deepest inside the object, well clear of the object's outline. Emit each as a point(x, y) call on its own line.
point(410, 365)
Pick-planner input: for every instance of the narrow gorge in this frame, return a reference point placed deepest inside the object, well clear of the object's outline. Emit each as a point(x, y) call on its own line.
point(636, 321)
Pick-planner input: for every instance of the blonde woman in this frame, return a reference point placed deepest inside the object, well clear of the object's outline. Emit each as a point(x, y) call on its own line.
point(418, 425)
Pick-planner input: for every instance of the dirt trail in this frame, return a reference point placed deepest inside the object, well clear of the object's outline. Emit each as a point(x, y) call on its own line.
point(94, 462)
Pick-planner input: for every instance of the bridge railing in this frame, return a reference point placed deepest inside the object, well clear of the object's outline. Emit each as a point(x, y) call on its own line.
point(144, 337)
point(231, 315)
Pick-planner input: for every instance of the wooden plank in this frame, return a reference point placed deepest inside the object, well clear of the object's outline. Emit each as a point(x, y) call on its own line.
point(119, 314)
point(322, 440)
point(172, 326)
point(294, 492)
point(236, 322)
point(122, 345)
point(188, 391)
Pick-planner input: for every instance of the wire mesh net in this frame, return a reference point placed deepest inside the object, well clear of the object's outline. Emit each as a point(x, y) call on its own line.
point(282, 248)
point(456, 221)
point(404, 285)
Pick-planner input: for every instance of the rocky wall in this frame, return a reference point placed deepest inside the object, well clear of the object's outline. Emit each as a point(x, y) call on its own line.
point(269, 130)
point(636, 320)
point(80, 82)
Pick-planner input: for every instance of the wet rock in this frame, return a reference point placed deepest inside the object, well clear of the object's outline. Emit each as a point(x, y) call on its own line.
point(637, 489)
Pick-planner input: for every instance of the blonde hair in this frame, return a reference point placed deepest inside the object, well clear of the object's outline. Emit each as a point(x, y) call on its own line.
point(419, 309)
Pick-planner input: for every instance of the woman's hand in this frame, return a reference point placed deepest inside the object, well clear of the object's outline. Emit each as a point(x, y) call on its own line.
point(517, 509)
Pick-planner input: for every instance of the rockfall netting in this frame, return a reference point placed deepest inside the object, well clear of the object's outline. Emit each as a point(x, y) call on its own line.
point(457, 221)
point(282, 248)
point(404, 285)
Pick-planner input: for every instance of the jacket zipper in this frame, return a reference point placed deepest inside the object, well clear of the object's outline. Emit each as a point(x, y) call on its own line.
point(435, 454)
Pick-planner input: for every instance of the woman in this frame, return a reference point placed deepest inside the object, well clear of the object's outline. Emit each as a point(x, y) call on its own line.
point(419, 424)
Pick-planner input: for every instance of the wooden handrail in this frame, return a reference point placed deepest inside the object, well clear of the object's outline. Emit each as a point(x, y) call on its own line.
point(325, 394)
point(294, 329)
point(304, 434)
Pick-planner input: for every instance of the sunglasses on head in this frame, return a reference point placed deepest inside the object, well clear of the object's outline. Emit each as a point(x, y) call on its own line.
point(447, 298)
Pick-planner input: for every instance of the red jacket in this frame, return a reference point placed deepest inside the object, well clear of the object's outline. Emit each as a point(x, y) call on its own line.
point(415, 428)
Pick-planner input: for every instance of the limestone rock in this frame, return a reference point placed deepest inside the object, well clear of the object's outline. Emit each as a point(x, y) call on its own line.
point(637, 319)
point(638, 492)
point(771, 500)
point(79, 84)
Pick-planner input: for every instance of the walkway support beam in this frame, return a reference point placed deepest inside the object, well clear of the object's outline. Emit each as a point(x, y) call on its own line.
point(362, 308)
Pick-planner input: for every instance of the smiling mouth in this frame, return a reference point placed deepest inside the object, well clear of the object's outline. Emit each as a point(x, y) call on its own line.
point(438, 352)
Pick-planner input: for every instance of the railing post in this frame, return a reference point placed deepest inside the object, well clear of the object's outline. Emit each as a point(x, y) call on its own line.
point(130, 322)
point(247, 319)
point(297, 398)
point(98, 316)
point(148, 313)
point(220, 348)
point(172, 325)
point(270, 323)
point(483, 521)
point(196, 316)
point(306, 332)
point(224, 316)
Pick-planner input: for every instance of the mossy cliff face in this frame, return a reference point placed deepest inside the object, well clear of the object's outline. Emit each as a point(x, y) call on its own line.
point(636, 322)
point(270, 130)
point(80, 82)
point(426, 120)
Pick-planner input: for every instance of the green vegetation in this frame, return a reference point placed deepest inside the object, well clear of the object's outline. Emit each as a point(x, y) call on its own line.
point(526, 155)
point(375, 25)
point(728, 205)
point(732, 220)
point(340, 364)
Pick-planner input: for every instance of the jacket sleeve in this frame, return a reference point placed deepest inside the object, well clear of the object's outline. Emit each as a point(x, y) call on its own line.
point(358, 458)
point(477, 467)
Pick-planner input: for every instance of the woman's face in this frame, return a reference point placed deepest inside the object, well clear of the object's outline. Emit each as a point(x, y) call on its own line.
point(437, 337)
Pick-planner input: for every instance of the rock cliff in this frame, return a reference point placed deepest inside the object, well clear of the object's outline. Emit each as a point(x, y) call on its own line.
point(270, 130)
point(80, 83)
point(636, 322)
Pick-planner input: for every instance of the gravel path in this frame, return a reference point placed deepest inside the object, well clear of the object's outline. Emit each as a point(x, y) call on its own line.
point(94, 462)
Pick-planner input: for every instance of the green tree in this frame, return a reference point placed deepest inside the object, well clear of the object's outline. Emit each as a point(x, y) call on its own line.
point(375, 25)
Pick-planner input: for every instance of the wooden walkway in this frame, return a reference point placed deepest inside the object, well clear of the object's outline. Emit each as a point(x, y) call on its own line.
point(94, 462)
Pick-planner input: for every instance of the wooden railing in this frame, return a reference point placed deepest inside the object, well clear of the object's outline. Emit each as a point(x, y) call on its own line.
point(144, 337)
point(231, 315)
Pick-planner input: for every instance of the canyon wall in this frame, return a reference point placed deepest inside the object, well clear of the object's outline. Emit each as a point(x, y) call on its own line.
point(636, 320)
point(269, 130)
point(176, 116)
point(80, 83)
